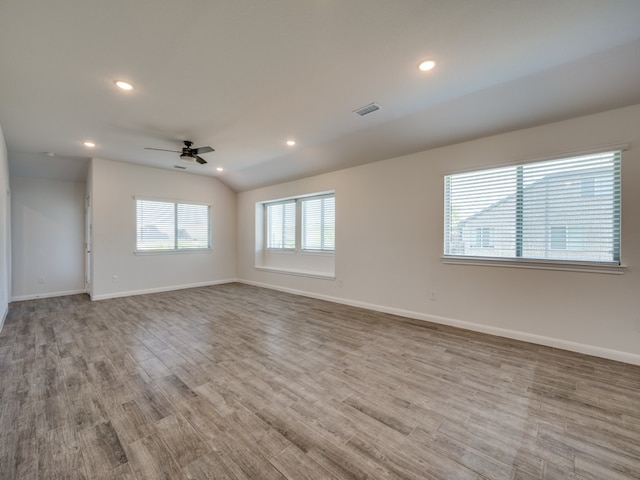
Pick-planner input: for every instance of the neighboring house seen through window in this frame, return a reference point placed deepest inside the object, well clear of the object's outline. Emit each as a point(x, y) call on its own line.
point(560, 210)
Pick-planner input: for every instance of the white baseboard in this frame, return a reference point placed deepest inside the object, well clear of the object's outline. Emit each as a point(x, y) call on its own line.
point(170, 288)
point(35, 296)
point(593, 350)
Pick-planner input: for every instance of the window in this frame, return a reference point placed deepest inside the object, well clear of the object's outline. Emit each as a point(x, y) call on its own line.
point(281, 225)
point(318, 223)
point(169, 226)
point(588, 187)
point(306, 223)
point(560, 210)
point(567, 238)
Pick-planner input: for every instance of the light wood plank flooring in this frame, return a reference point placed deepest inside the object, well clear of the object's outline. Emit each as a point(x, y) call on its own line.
point(238, 382)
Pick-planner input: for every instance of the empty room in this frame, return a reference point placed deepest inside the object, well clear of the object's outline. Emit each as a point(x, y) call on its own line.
point(320, 240)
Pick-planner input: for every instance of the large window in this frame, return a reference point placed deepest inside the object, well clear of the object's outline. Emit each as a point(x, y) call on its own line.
point(306, 224)
point(560, 210)
point(170, 226)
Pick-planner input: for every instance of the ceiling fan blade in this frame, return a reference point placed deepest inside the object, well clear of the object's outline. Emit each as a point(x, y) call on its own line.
point(200, 160)
point(200, 150)
point(162, 150)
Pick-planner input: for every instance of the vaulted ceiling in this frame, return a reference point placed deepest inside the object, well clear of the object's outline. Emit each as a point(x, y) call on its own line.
point(244, 76)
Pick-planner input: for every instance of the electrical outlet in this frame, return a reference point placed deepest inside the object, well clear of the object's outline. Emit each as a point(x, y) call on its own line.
point(41, 280)
point(115, 279)
point(434, 296)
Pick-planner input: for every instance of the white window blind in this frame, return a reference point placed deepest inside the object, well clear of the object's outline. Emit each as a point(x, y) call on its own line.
point(172, 226)
point(561, 210)
point(281, 224)
point(318, 223)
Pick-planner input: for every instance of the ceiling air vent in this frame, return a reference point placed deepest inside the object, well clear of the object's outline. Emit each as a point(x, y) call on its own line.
point(372, 107)
point(179, 167)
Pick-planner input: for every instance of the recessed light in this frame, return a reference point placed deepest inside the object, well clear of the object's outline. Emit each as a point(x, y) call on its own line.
point(427, 65)
point(291, 143)
point(123, 85)
point(50, 154)
point(89, 144)
point(220, 169)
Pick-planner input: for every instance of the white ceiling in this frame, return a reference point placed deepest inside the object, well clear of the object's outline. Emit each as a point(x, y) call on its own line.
point(245, 75)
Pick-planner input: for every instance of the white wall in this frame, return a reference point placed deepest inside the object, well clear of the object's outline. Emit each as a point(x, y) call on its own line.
point(113, 187)
point(47, 232)
point(5, 232)
point(389, 229)
point(88, 232)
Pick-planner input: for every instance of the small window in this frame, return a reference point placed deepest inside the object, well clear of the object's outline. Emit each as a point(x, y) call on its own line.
point(170, 226)
point(588, 187)
point(567, 238)
point(561, 210)
point(591, 186)
point(481, 237)
point(558, 239)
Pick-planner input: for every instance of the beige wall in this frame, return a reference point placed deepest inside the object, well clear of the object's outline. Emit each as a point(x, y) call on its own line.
point(113, 186)
point(47, 219)
point(389, 229)
point(5, 232)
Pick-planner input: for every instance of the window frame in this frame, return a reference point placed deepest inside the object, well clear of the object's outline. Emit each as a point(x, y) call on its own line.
point(176, 227)
point(594, 266)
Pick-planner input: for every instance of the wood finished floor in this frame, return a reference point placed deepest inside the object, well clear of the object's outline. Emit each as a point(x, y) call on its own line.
point(237, 382)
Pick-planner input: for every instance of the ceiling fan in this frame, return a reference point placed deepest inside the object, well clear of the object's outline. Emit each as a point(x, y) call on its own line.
point(187, 153)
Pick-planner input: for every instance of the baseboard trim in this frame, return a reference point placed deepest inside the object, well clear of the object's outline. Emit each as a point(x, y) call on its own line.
point(35, 296)
point(586, 349)
point(170, 288)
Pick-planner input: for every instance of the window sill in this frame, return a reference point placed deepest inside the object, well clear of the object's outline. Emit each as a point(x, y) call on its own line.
point(172, 252)
point(288, 251)
point(587, 267)
point(322, 253)
point(300, 273)
point(282, 251)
